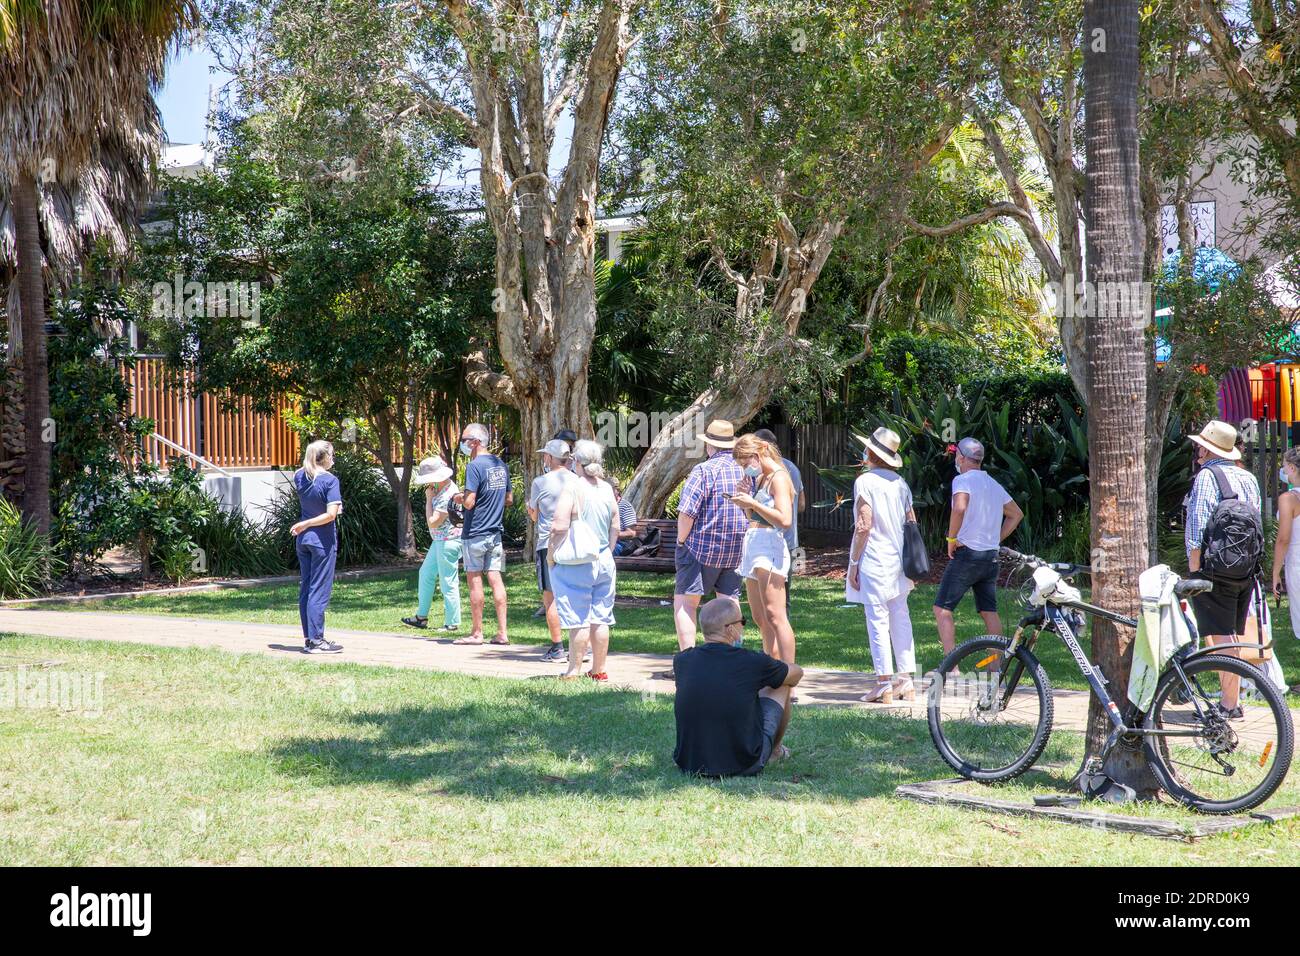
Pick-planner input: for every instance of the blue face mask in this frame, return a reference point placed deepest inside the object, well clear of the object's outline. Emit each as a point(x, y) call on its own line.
point(753, 471)
point(464, 448)
point(1281, 473)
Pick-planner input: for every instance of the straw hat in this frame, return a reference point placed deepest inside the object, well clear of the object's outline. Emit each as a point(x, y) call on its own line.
point(720, 434)
point(431, 471)
point(884, 443)
point(1220, 439)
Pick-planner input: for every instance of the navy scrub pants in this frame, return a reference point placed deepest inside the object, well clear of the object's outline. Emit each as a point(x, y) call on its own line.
point(317, 566)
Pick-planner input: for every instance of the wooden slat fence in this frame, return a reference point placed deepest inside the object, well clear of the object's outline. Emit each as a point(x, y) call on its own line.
point(809, 446)
point(230, 437)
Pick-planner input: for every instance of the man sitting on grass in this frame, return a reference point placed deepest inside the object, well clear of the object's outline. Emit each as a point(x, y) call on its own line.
point(733, 704)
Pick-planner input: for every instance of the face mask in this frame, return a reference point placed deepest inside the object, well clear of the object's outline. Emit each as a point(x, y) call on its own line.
point(753, 471)
point(464, 448)
point(1281, 473)
point(956, 467)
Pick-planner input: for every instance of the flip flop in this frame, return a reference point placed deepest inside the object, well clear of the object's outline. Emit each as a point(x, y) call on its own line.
point(466, 640)
point(499, 643)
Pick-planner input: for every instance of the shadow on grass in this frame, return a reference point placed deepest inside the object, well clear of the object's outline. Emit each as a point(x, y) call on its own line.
point(531, 739)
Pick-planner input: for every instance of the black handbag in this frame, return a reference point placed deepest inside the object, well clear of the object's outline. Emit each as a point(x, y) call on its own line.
point(916, 560)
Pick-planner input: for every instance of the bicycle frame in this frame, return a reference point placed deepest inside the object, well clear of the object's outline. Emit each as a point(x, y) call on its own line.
point(1060, 624)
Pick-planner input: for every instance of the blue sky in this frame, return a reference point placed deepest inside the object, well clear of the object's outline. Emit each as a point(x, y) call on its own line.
point(184, 96)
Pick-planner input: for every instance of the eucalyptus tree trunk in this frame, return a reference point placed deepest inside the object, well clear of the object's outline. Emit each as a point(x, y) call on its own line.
point(36, 375)
point(1116, 358)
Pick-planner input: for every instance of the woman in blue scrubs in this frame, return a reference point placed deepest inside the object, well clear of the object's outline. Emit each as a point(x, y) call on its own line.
point(317, 543)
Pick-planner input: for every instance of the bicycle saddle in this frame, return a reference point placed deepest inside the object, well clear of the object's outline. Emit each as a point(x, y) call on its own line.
point(1189, 586)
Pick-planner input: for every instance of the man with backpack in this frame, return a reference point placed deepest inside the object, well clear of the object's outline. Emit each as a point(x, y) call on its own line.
point(1225, 544)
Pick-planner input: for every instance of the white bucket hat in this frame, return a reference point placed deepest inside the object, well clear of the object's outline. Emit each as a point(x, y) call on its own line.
point(431, 471)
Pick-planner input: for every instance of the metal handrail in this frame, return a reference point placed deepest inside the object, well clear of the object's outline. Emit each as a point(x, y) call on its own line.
point(189, 454)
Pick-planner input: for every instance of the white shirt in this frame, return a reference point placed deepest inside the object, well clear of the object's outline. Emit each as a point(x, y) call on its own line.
point(880, 568)
point(981, 528)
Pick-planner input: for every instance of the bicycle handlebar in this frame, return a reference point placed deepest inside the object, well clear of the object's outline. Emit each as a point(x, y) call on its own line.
point(1033, 561)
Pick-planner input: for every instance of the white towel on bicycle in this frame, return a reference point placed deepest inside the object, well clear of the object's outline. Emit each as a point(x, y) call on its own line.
point(1161, 631)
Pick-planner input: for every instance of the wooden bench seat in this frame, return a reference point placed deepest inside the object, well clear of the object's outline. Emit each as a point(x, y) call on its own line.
point(663, 559)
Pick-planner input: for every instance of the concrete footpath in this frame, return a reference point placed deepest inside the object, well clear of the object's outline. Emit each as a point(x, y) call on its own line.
point(820, 686)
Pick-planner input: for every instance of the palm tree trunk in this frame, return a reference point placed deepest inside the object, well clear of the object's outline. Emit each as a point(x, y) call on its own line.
point(36, 376)
point(1116, 359)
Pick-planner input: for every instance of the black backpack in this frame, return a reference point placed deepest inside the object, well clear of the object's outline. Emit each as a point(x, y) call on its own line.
point(1232, 546)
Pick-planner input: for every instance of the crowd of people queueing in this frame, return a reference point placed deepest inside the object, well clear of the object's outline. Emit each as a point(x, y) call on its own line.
point(737, 521)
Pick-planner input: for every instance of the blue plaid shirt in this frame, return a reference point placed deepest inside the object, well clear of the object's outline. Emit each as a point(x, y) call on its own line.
point(1204, 497)
point(717, 538)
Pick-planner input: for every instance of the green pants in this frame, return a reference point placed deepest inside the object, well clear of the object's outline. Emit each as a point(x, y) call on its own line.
point(440, 569)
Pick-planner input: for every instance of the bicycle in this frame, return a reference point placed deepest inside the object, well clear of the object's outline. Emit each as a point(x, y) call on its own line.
point(990, 728)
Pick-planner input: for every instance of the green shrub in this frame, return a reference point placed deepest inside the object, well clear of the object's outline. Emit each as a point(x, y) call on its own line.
point(236, 546)
point(27, 562)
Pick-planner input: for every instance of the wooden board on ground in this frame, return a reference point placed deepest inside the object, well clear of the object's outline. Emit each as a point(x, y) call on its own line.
point(945, 792)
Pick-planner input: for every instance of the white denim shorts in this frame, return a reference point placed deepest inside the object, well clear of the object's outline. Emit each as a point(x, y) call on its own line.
point(765, 549)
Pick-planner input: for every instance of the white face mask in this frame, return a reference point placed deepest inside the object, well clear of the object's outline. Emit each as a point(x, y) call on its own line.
point(1281, 473)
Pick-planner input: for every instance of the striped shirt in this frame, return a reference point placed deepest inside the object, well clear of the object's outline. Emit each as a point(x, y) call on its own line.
point(717, 538)
point(1204, 497)
point(626, 515)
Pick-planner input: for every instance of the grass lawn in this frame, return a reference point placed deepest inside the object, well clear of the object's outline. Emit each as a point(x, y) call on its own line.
point(829, 634)
point(205, 757)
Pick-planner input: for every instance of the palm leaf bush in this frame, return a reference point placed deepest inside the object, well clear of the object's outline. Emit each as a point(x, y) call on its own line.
point(27, 562)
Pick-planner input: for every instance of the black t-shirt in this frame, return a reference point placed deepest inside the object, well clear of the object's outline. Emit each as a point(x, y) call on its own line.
point(719, 722)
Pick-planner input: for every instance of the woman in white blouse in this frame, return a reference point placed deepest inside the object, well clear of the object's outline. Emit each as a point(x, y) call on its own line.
point(882, 503)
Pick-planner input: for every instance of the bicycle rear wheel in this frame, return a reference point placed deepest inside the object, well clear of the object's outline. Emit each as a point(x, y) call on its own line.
point(991, 721)
point(1227, 766)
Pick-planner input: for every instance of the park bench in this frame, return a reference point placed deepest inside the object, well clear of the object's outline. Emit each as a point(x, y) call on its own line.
point(661, 560)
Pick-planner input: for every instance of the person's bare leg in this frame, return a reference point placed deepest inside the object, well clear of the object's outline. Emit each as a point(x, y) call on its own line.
point(1230, 684)
point(552, 617)
point(754, 592)
point(992, 622)
point(577, 647)
point(499, 602)
point(475, 579)
point(783, 696)
point(684, 608)
point(947, 628)
point(778, 621)
point(599, 647)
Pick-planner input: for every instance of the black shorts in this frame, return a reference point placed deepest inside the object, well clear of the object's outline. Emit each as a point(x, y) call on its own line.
point(1222, 612)
point(977, 570)
point(772, 713)
point(543, 571)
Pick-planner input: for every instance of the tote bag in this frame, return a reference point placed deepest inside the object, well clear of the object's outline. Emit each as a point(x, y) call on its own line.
point(580, 545)
point(916, 560)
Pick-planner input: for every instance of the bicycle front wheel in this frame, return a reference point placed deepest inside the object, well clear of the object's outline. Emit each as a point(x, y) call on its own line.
point(1213, 764)
point(990, 712)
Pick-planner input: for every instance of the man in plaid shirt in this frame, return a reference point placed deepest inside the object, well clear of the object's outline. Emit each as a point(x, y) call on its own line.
point(710, 531)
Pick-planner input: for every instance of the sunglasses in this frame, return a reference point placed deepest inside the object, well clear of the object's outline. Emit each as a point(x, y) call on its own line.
point(742, 622)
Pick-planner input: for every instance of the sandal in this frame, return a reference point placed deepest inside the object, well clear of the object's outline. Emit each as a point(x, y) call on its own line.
point(602, 676)
point(883, 694)
point(417, 621)
point(466, 640)
point(904, 689)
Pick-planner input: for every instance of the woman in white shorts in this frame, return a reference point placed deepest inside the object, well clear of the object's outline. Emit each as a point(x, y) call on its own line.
point(765, 561)
point(584, 591)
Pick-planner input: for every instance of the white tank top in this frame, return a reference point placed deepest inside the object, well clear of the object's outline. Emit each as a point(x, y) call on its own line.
point(1293, 547)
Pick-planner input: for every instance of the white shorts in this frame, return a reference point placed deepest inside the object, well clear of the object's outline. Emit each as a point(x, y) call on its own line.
point(765, 549)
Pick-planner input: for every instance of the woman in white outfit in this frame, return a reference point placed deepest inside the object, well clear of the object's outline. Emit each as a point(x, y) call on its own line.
point(882, 503)
point(1286, 549)
point(584, 528)
point(765, 561)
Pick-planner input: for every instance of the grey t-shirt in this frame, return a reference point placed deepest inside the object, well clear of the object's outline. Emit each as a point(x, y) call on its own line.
point(796, 479)
point(544, 495)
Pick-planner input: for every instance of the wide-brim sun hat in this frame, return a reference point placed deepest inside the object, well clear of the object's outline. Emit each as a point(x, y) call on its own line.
point(431, 471)
point(1219, 438)
point(884, 444)
point(720, 434)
